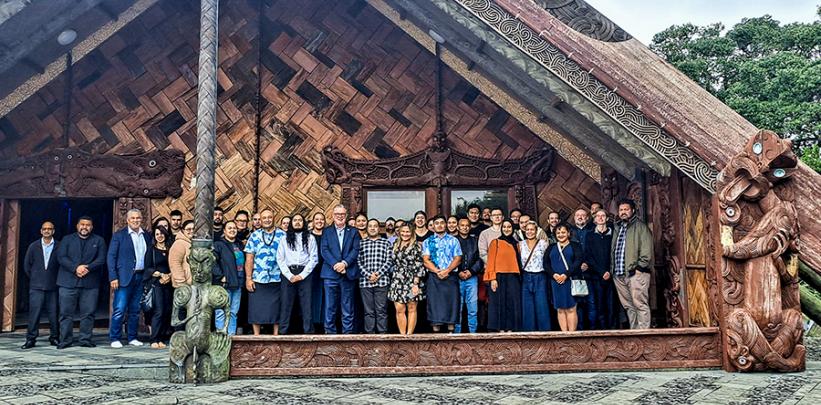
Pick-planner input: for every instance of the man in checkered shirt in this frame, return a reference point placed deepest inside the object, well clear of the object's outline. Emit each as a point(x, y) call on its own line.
point(375, 266)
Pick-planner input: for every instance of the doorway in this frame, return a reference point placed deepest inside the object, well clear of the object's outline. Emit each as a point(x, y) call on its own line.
point(64, 213)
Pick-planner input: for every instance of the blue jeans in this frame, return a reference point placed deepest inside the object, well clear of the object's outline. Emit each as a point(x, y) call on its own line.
point(234, 296)
point(339, 293)
point(535, 308)
point(468, 295)
point(126, 299)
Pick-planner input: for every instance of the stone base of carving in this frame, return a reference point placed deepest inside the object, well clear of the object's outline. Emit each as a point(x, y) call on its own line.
point(339, 355)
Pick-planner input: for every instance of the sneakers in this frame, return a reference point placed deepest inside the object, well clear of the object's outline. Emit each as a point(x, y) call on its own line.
point(135, 342)
point(116, 344)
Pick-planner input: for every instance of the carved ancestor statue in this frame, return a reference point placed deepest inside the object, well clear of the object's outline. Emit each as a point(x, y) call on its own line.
point(197, 354)
point(759, 257)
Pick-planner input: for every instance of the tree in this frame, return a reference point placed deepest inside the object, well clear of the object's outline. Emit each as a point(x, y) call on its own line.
point(768, 72)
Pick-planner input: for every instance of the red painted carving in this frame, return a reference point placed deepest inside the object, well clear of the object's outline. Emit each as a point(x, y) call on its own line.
point(482, 353)
point(74, 173)
point(759, 257)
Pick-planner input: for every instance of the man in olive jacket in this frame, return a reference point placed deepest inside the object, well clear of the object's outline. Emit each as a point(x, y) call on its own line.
point(631, 264)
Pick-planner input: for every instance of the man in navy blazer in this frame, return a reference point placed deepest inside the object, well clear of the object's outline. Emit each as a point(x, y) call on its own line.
point(126, 262)
point(40, 265)
point(82, 260)
point(339, 249)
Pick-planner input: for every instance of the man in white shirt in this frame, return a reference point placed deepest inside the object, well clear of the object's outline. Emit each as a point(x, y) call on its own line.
point(126, 262)
point(296, 258)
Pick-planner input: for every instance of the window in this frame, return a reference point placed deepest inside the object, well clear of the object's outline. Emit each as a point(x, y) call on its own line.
point(382, 204)
point(460, 199)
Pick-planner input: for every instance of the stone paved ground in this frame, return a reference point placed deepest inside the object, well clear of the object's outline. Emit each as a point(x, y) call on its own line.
point(45, 375)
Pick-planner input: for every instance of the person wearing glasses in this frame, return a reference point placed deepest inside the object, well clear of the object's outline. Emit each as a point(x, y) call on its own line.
point(40, 265)
point(340, 274)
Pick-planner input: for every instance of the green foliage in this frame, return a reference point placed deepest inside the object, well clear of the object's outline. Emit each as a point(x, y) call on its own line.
point(768, 72)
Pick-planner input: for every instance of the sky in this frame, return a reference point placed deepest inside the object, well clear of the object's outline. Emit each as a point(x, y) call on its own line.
point(645, 18)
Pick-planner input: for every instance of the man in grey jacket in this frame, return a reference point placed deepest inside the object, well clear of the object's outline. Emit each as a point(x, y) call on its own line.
point(631, 264)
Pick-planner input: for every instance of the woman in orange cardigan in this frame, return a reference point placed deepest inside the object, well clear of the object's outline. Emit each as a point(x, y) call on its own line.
point(502, 272)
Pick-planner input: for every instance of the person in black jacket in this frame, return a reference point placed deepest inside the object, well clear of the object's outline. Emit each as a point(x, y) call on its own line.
point(228, 271)
point(158, 276)
point(82, 258)
point(597, 264)
point(562, 261)
point(40, 265)
point(470, 266)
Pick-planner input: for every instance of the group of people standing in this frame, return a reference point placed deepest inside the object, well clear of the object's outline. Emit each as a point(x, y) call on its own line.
point(502, 273)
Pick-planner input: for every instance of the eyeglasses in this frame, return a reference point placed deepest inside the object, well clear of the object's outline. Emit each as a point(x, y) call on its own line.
point(240, 220)
point(339, 214)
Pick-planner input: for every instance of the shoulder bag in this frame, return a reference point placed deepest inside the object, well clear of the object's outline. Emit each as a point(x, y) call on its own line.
point(578, 288)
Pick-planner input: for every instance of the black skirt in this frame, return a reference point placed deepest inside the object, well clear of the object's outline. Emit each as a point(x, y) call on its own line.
point(505, 305)
point(443, 299)
point(263, 304)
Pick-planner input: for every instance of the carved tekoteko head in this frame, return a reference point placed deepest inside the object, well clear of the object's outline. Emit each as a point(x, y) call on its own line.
point(766, 159)
point(201, 261)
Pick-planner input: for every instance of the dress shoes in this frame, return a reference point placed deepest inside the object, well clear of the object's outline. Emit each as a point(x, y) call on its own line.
point(53, 341)
point(87, 344)
point(63, 345)
point(28, 345)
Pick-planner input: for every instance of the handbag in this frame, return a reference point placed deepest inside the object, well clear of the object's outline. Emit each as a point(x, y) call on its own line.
point(578, 288)
point(147, 300)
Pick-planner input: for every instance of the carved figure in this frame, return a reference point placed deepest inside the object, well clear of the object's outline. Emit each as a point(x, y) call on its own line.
point(197, 354)
point(759, 249)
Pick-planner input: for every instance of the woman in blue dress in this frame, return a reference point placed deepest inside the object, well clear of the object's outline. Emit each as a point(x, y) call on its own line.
point(562, 262)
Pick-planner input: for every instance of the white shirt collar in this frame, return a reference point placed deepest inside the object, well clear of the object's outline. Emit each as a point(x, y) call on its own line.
point(132, 232)
point(42, 242)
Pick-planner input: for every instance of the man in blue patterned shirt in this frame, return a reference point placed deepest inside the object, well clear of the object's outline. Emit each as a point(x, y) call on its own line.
point(375, 267)
point(442, 254)
point(262, 275)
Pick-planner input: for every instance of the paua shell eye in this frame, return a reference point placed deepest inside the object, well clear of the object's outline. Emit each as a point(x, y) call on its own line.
point(779, 173)
point(757, 148)
point(730, 211)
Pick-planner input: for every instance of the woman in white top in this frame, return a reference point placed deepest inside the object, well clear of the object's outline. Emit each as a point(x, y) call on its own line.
point(535, 306)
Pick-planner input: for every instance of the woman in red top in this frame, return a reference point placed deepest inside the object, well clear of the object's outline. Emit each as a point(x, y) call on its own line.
point(502, 272)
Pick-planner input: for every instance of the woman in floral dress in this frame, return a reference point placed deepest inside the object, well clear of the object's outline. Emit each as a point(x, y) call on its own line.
point(407, 283)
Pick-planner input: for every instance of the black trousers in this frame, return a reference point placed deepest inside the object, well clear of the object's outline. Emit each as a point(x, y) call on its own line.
point(77, 303)
point(375, 306)
point(42, 301)
point(304, 289)
point(161, 314)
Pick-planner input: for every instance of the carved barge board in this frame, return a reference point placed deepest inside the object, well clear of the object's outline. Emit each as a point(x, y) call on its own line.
point(348, 355)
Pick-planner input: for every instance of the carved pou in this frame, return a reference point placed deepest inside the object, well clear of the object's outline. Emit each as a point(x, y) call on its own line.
point(197, 354)
point(759, 257)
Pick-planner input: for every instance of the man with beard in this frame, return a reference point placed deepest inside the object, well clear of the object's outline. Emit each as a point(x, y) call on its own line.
point(82, 257)
point(469, 267)
point(219, 218)
point(296, 259)
point(552, 223)
point(317, 290)
point(486, 217)
point(375, 267)
point(390, 227)
point(256, 222)
point(585, 306)
point(441, 255)
point(474, 216)
point(488, 235)
point(631, 264)
point(175, 222)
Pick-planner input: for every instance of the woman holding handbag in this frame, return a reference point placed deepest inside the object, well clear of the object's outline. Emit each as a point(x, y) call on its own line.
point(502, 271)
point(562, 263)
point(157, 283)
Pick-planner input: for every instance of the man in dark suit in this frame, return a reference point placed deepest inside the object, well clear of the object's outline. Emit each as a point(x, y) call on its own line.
point(82, 259)
point(126, 263)
point(339, 249)
point(41, 267)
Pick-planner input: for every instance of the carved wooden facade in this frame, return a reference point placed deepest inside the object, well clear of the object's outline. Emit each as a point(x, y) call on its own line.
point(473, 353)
point(758, 250)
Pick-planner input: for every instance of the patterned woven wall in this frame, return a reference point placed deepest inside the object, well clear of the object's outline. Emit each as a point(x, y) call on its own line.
point(335, 72)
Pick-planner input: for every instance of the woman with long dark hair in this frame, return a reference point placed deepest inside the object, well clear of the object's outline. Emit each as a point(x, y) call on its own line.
point(502, 272)
point(158, 276)
point(420, 226)
point(296, 259)
point(562, 261)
